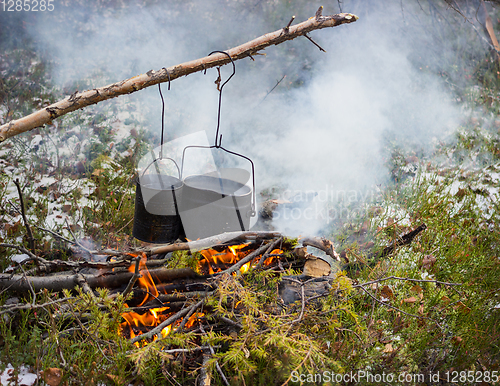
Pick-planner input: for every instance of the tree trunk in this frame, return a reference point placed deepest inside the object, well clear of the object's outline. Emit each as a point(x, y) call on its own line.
point(79, 100)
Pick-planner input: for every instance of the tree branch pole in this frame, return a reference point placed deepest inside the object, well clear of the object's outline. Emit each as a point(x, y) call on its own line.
point(82, 99)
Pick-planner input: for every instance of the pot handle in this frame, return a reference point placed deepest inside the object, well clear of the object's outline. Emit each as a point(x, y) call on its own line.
point(157, 169)
point(252, 211)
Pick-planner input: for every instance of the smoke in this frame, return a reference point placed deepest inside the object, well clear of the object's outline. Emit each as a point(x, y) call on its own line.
point(325, 126)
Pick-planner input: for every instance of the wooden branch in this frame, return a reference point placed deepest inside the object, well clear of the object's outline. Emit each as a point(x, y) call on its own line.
point(323, 244)
point(79, 100)
point(210, 242)
point(165, 323)
point(404, 240)
point(21, 283)
point(250, 257)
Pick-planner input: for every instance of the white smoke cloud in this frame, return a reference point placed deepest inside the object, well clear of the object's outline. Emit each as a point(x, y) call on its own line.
point(330, 131)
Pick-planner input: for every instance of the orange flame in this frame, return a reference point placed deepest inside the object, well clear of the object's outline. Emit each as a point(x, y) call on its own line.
point(213, 261)
point(135, 323)
point(145, 281)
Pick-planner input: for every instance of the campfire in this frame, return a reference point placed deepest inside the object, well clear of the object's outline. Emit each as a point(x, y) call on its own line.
point(212, 261)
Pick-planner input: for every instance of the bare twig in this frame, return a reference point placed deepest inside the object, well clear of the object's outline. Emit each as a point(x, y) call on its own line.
point(287, 28)
point(405, 279)
point(31, 239)
point(398, 309)
point(185, 320)
point(265, 256)
point(276, 85)
point(219, 370)
point(14, 307)
point(134, 277)
point(186, 350)
point(313, 42)
point(55, 234)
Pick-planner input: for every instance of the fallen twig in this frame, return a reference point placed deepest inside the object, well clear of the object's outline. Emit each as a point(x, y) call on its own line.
point(219, 370)
point(398, 309)
point(31, 239)
point(403, 240)
point(14, 307)
point(406, 279)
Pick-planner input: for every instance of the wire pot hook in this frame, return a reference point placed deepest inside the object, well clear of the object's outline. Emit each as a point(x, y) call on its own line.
point(218, 140)
point(163, 112)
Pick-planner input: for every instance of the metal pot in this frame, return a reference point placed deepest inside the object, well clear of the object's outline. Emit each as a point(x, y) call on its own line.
point(213, 205)
point(156, 217)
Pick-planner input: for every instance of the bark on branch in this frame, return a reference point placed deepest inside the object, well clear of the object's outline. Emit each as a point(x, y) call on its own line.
point(19, 283)
point(82, 99)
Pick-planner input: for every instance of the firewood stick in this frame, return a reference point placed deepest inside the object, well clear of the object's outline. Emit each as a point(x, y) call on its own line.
point(323, 244)
point(250, 257)
point(21, 283)
point(210, 242)
point(264, 257)
point(80, 100)
point(166, 322)
point(134, 277)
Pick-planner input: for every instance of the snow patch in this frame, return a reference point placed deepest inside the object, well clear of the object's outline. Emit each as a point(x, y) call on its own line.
point(25, 377)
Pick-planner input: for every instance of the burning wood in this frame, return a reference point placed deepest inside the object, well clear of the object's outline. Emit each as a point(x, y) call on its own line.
point(213, 261)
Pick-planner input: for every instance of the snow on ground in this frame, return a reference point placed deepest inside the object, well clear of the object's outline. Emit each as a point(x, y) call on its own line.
point(25, 377)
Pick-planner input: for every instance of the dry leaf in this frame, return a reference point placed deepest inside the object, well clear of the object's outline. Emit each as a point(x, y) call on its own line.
point(52, 376)
point(386, 292)
point(428, 261)
point(416, 288)
point(462, 307)
point(411, 299)
point(421, 309)
point(388, 348)
point(67, 208)
point(97, 172)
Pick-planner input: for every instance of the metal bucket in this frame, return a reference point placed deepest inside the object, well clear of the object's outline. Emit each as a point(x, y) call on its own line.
point(212, 205)
point(156, 217)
